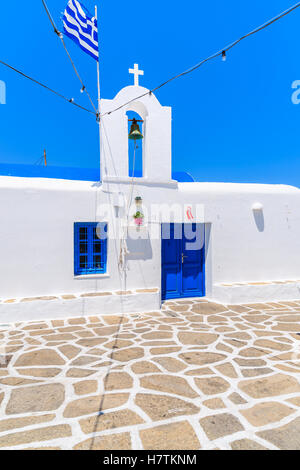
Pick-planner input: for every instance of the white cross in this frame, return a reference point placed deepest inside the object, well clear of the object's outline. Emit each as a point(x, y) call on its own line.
point(136, 72)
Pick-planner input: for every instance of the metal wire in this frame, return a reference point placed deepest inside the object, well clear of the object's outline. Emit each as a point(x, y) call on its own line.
point(60, 35)
point(69, 100)
point(192, 69)
point(214, 56)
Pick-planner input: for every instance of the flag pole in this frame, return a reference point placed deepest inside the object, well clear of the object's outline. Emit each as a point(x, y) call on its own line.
point(98, 64)
point(98, 80)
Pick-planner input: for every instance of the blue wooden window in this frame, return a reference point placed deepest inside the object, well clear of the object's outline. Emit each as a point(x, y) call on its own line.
point(90, 243)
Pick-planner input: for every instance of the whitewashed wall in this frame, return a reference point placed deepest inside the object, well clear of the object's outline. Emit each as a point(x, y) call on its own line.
point(37, 219)
point(37, 241)
point(248, 245)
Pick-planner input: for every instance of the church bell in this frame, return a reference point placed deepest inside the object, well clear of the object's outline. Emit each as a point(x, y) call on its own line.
point(135, 133)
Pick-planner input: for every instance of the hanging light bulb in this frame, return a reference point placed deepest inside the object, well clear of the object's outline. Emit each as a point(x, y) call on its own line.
point(224, 56)
point(71, 100)
point(82, 89)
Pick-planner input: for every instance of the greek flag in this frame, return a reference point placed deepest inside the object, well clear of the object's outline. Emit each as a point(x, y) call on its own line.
point(82, 28)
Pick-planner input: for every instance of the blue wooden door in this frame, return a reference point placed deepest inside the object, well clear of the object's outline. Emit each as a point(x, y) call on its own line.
point(183, 261)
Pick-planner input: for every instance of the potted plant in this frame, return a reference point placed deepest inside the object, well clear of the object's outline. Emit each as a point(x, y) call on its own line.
point(138, 218)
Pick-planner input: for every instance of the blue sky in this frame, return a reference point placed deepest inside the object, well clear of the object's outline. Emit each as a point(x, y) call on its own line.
point(232, 121)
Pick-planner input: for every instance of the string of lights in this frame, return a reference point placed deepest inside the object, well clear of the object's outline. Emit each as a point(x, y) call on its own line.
point(69, 100)
point(61, 37)
point(221, 53)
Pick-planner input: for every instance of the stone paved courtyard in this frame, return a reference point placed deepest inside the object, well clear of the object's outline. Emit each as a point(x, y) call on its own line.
point(196, 375)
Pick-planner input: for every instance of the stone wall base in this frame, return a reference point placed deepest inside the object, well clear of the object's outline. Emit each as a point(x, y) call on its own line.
point(71, 306)
point(242, 293)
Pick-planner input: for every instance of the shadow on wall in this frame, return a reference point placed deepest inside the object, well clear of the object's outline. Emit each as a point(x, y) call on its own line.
point(139, 249)
point(259, 220)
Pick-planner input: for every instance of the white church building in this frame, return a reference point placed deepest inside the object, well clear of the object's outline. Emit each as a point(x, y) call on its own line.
point(127, 244)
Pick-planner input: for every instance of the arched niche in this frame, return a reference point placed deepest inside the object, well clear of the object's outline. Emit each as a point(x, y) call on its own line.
point(136, 151)
point(139, 108)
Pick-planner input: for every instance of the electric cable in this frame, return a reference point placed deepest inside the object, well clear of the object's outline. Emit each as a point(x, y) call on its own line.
point(47, 88)
point(221, 52)
point(60, 35)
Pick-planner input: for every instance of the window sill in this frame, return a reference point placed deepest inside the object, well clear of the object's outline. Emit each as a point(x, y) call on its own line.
point(91, 276)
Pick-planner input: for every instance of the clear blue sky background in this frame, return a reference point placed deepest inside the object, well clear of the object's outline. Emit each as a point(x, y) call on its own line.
point(232, 121)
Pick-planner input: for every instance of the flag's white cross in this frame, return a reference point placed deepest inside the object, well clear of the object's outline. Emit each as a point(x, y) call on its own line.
point(136, 72)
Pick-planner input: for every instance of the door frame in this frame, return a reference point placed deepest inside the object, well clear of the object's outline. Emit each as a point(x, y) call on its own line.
point(187, 295)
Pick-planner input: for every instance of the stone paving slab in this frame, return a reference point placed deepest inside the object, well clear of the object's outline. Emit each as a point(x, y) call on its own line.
point(195, 375)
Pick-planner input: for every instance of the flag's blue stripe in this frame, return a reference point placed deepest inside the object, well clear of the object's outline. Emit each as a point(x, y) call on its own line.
point(86, 29)
point(81, 28)
point(85, 9)
point(77, 29)
point(83, 42)
point(83, 38)
point(76, 40)
point(84, 20)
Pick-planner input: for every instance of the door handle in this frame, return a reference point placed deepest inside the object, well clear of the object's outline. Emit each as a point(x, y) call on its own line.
point(183, 258)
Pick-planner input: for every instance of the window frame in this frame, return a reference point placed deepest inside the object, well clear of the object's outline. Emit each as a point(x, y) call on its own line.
point(91, 253)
